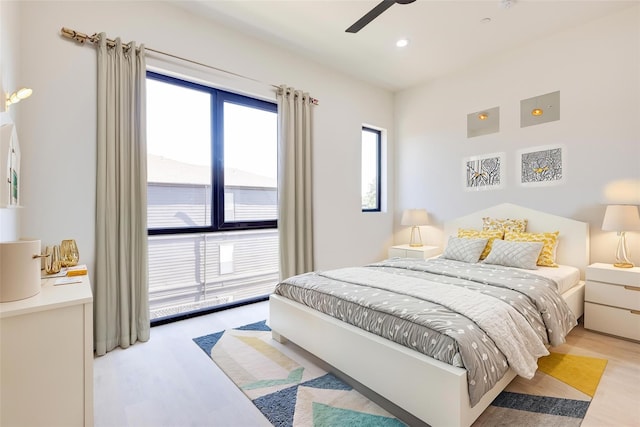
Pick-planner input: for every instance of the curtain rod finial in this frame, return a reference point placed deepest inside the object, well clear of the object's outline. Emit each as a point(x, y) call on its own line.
point(71, 34)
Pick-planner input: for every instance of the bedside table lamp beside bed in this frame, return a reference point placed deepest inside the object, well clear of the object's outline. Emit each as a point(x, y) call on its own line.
point(621, 218)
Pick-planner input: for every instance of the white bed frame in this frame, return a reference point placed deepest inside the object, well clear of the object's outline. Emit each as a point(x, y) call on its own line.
point(432, 391)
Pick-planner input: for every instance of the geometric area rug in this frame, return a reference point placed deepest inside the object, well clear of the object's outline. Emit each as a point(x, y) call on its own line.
point(290, 390)
point(558, 395)
point(286, 388)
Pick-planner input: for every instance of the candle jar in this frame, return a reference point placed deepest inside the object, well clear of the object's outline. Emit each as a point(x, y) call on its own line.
point(52, 263)
point(69, 254)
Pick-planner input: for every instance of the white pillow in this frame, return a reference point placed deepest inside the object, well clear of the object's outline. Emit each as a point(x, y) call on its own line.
point(514, 254)
point(464, 249)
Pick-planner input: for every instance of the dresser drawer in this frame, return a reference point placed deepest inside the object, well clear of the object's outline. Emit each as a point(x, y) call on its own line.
point(623, 296)
point(611, 320)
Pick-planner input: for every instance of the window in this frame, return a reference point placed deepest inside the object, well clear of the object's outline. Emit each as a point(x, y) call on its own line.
point(211, 196)
point(212, 159)
point(179, 133)
point(371, 169)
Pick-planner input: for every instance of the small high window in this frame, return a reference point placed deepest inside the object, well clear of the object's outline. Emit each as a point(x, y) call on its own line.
point(371, 169)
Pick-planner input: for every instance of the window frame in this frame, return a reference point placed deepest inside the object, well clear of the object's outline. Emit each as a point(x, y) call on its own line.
point(218, 98)
point(378, 134)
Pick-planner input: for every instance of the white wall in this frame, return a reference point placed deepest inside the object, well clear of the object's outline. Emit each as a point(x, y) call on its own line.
point(9, 18)
point(58, 125)
point(596, 68)
point(9, 51)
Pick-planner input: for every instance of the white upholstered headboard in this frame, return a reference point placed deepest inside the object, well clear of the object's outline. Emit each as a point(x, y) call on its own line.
point(573, 240)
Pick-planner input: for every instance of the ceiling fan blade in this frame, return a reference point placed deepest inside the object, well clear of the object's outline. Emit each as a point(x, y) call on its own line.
point(370, 16)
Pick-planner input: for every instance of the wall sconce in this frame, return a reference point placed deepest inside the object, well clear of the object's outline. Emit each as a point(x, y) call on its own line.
point(18, 96)
point(621, 218)
point(483, 116)
point(536, 112)
point(415, 218)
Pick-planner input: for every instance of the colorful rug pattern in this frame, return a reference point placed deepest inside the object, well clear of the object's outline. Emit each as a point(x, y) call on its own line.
point(558, 395)
point(291, 391)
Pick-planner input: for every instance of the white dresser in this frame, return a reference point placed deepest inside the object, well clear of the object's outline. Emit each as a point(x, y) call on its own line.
point(46, 357)
point(612, 300)
point(406, 251)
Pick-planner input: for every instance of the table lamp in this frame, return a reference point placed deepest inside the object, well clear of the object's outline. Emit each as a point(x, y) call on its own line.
point(621, 218)
point(415, 218)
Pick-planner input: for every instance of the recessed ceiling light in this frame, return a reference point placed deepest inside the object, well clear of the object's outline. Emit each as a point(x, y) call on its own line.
point(507, 4)
point(402, 42)
point(485, 20)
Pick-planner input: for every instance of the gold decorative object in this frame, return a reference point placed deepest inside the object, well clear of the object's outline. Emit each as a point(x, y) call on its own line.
point(52, 263)
point(69, 254)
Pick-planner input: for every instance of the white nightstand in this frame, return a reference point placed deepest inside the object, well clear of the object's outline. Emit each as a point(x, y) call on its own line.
point(406, 251)
point(612, 300)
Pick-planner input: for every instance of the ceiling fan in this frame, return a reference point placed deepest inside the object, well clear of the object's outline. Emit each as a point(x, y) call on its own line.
point(374, 13)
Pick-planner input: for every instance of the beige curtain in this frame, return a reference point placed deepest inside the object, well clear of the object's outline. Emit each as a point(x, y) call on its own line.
point(121, 306)
point(295, 225)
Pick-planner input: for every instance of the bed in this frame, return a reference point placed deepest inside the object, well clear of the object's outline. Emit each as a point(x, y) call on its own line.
point(436, 392)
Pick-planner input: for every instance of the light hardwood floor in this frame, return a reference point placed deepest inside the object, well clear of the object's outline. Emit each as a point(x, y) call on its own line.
point(170, 381)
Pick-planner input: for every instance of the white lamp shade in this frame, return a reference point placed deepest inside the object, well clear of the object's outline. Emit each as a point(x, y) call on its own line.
point(621, 218)
point(415, 217)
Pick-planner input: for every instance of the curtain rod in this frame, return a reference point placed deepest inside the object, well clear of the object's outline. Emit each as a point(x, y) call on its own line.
point(81, 38)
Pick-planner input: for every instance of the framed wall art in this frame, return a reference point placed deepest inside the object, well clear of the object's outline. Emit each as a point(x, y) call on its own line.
point(543, 165)
point(484, 172)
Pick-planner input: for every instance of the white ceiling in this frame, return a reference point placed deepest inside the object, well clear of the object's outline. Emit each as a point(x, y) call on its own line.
point(444, 35)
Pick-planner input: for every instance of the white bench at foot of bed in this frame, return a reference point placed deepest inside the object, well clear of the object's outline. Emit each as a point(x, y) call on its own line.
point(433, 391)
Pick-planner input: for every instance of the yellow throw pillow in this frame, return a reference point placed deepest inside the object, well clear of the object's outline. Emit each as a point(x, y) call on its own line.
point(492, 235)
point(519, 225)
point(547, 256)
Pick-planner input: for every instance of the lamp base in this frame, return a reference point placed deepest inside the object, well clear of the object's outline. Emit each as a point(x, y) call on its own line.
point(623, 265)
point(622, 259)
point(416, 237)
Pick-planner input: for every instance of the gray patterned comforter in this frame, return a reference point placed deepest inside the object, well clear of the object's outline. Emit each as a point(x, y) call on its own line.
point(483, 318)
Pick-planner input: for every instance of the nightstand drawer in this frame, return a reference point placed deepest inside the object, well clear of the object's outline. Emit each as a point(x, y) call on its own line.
point(397, 253)
point(615, 295)
point(406, 251)
point(414, 254)
point(609, 274)
point(611, 320)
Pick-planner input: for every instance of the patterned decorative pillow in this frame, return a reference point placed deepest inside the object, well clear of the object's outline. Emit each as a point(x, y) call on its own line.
point(547, 256)
point(515, 254)
point(464, 249)
point(519, 225)
point(491, 235)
